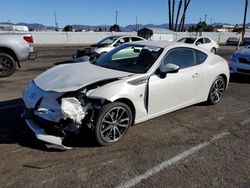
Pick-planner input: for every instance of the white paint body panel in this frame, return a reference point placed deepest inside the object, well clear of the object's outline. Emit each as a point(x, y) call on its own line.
point(186, 87)
point(71, 77)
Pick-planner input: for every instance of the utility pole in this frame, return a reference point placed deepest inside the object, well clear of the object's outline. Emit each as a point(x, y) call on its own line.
point(56, 24)
point(205, 18)
point(116, 16)
point(244, 22)
point(136, 24)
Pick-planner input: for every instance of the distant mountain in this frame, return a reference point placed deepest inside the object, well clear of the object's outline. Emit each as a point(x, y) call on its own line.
point(128, 28)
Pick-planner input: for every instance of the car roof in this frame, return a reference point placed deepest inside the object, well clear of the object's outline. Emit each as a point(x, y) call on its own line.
point(190, 37)
point(119, 36)
point(162, 44)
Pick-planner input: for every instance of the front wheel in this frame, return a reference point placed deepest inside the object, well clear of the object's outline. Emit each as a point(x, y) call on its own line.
point(7, 65)
point(113, 122)
point(216, 91)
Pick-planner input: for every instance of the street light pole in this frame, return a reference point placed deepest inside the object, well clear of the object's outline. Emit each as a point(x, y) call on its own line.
point(116, 17)
point(244, 22)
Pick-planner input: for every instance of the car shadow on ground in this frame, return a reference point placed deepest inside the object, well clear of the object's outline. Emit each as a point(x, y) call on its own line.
point(13, 130)
point(237, 78)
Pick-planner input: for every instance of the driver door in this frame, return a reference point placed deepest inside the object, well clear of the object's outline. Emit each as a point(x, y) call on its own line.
point(176, 90)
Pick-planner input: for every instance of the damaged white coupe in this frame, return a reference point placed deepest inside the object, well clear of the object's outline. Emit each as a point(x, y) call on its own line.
point(133, 83)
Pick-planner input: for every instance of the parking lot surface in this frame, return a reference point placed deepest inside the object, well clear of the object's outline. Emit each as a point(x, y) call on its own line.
point(199, 146)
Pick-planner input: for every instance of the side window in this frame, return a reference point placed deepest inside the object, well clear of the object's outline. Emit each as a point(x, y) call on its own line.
point(200, 57)
point(183, 57)
point(136, 39)
point(122, 41)
point(200, 41)
point(207, 40)
point(126, 39)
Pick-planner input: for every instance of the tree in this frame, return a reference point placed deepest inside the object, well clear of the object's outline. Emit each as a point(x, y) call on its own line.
point(171, 14)
point(177, 16)
point(201, 27)
point(183, 18)
point(68, 28)
point(115, 28)
point(173, 6)
point(237, 29)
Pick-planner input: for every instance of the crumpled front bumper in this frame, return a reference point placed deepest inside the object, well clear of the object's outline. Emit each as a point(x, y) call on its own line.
point(43, 136)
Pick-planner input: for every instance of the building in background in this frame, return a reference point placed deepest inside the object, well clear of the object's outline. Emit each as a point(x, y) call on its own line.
point(6, 27)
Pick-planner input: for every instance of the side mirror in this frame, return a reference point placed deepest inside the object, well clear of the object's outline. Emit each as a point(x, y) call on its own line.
point(168, 68)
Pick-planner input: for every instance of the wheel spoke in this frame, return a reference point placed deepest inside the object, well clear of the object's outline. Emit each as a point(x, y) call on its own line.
point(122, 120)
point(111, 115)
point(106, 121)
point(106, 129)
point(122, 125)
point(113, 134)
point(108, 135)
point(117, 113)
point(119, 118)
point(119, 133)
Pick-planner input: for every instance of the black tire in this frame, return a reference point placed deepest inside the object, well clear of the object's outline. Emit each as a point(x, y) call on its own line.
point(216, 91)
point(110, 129)
point(7, 65)
point(213, 50)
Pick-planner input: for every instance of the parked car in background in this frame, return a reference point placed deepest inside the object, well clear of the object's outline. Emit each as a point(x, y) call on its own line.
point(203, 42)
point(246, 41)
point(232, 41)
point(240, 61)
point(105, 45)
point(14, 48)
point(132, 83)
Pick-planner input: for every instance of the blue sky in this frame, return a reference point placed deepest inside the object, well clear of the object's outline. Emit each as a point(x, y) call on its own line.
point(101, 12)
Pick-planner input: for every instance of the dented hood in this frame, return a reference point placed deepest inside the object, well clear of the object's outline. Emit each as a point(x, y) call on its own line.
point(71, 77)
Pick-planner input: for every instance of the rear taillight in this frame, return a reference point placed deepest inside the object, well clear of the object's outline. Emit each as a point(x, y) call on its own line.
point(28, 39)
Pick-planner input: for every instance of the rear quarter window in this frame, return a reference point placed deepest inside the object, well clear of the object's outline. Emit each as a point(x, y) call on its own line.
point(136, 39)
point(200, 57)
point(207, 40)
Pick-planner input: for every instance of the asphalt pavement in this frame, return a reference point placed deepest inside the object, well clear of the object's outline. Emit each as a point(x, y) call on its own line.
point(199, 146)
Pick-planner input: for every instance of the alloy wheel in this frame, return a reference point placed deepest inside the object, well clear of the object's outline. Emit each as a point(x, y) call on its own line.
point(114, 124)
point(217, 90)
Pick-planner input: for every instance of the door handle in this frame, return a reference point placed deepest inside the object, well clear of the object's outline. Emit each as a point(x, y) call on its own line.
point(196, 75)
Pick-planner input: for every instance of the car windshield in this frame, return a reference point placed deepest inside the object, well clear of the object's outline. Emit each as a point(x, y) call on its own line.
point(130, 58)
point(108, 40)
point(187, 40)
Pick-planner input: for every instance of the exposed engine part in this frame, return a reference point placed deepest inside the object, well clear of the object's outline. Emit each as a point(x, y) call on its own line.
point(73, 109)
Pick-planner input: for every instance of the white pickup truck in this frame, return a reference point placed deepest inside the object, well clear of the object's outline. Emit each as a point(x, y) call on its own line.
point(14, 48)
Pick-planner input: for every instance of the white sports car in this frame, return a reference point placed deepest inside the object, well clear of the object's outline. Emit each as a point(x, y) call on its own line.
point(203, 42)
point(131, 84)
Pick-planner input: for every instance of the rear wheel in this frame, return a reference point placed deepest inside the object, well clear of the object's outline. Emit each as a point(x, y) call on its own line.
point(7, 65)
point(217, 90)
point(112, 123)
